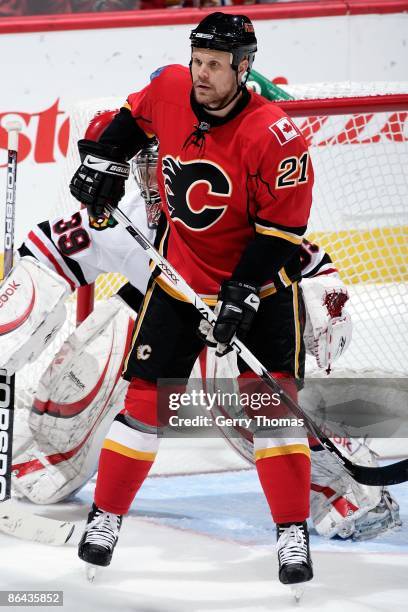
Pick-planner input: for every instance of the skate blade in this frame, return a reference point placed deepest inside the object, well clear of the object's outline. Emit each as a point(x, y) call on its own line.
point(91, 572)
point(297, 591)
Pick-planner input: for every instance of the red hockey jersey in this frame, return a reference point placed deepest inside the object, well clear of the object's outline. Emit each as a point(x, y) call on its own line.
point(249, 174)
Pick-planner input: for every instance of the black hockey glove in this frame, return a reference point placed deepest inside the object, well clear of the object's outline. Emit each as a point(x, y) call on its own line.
point(99, 180)
point(236, 308)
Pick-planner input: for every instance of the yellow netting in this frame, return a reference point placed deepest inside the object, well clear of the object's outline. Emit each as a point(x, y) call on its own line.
point(377, 255)
point(108, 284)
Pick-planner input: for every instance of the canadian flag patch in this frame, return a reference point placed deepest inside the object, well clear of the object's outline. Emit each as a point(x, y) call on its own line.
point(284, 130)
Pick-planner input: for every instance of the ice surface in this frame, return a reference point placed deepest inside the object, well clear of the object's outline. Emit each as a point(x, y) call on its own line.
point(205, 542)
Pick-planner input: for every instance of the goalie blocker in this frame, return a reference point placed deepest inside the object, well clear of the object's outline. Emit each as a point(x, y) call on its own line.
point(29, 315)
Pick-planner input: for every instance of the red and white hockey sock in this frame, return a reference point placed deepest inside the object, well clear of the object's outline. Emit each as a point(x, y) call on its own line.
point(282, 463)
point(284, 474)
point(129, 449)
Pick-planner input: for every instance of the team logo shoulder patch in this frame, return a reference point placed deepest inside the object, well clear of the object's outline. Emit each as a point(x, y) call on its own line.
point(284, 130)
point(157, 72)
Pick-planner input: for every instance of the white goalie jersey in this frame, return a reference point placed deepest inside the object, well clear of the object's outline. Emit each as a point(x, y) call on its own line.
point(79, 253)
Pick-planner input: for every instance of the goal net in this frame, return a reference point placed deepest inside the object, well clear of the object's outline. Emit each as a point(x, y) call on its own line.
point(358, 142)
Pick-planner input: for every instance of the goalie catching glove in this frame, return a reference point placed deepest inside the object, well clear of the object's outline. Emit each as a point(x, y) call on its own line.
point(99, 180)
point(236, 308)
point(328, 326)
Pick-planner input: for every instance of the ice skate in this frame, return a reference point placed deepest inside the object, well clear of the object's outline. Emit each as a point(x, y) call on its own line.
point(99, 540)
point(295, 564)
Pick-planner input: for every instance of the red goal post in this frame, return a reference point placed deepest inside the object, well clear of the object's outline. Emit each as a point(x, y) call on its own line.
point(345, 105)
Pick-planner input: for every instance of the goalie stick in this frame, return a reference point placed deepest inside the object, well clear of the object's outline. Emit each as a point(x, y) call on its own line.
point(14, 520)
point(7, 383)
point(373, 476)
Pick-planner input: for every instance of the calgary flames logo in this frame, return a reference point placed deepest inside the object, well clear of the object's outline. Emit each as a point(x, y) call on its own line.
point(180, 180)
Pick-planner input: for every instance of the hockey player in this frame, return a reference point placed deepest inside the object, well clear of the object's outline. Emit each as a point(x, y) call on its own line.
point(58, 452)
point(236, 183)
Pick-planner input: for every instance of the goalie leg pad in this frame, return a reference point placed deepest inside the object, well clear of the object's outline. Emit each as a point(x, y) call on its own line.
point(32, 310)
point(383, 517)
point(77, 399)
point(342, 507)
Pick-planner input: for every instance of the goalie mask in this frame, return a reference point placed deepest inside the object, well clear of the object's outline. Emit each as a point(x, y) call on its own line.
point(144, 168)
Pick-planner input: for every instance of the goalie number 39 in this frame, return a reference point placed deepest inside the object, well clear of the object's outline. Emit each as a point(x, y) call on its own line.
point(73, 237)
point(292, 171)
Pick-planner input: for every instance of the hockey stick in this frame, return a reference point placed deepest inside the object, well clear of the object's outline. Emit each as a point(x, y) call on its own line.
point(14, 520)
point(373, 476)
point(7, 383)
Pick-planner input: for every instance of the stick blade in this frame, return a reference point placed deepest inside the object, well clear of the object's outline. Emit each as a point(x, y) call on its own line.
point(20, 523)
point(383, 476)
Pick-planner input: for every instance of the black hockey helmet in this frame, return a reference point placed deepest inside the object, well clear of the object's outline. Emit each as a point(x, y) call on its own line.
point(224, 32)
